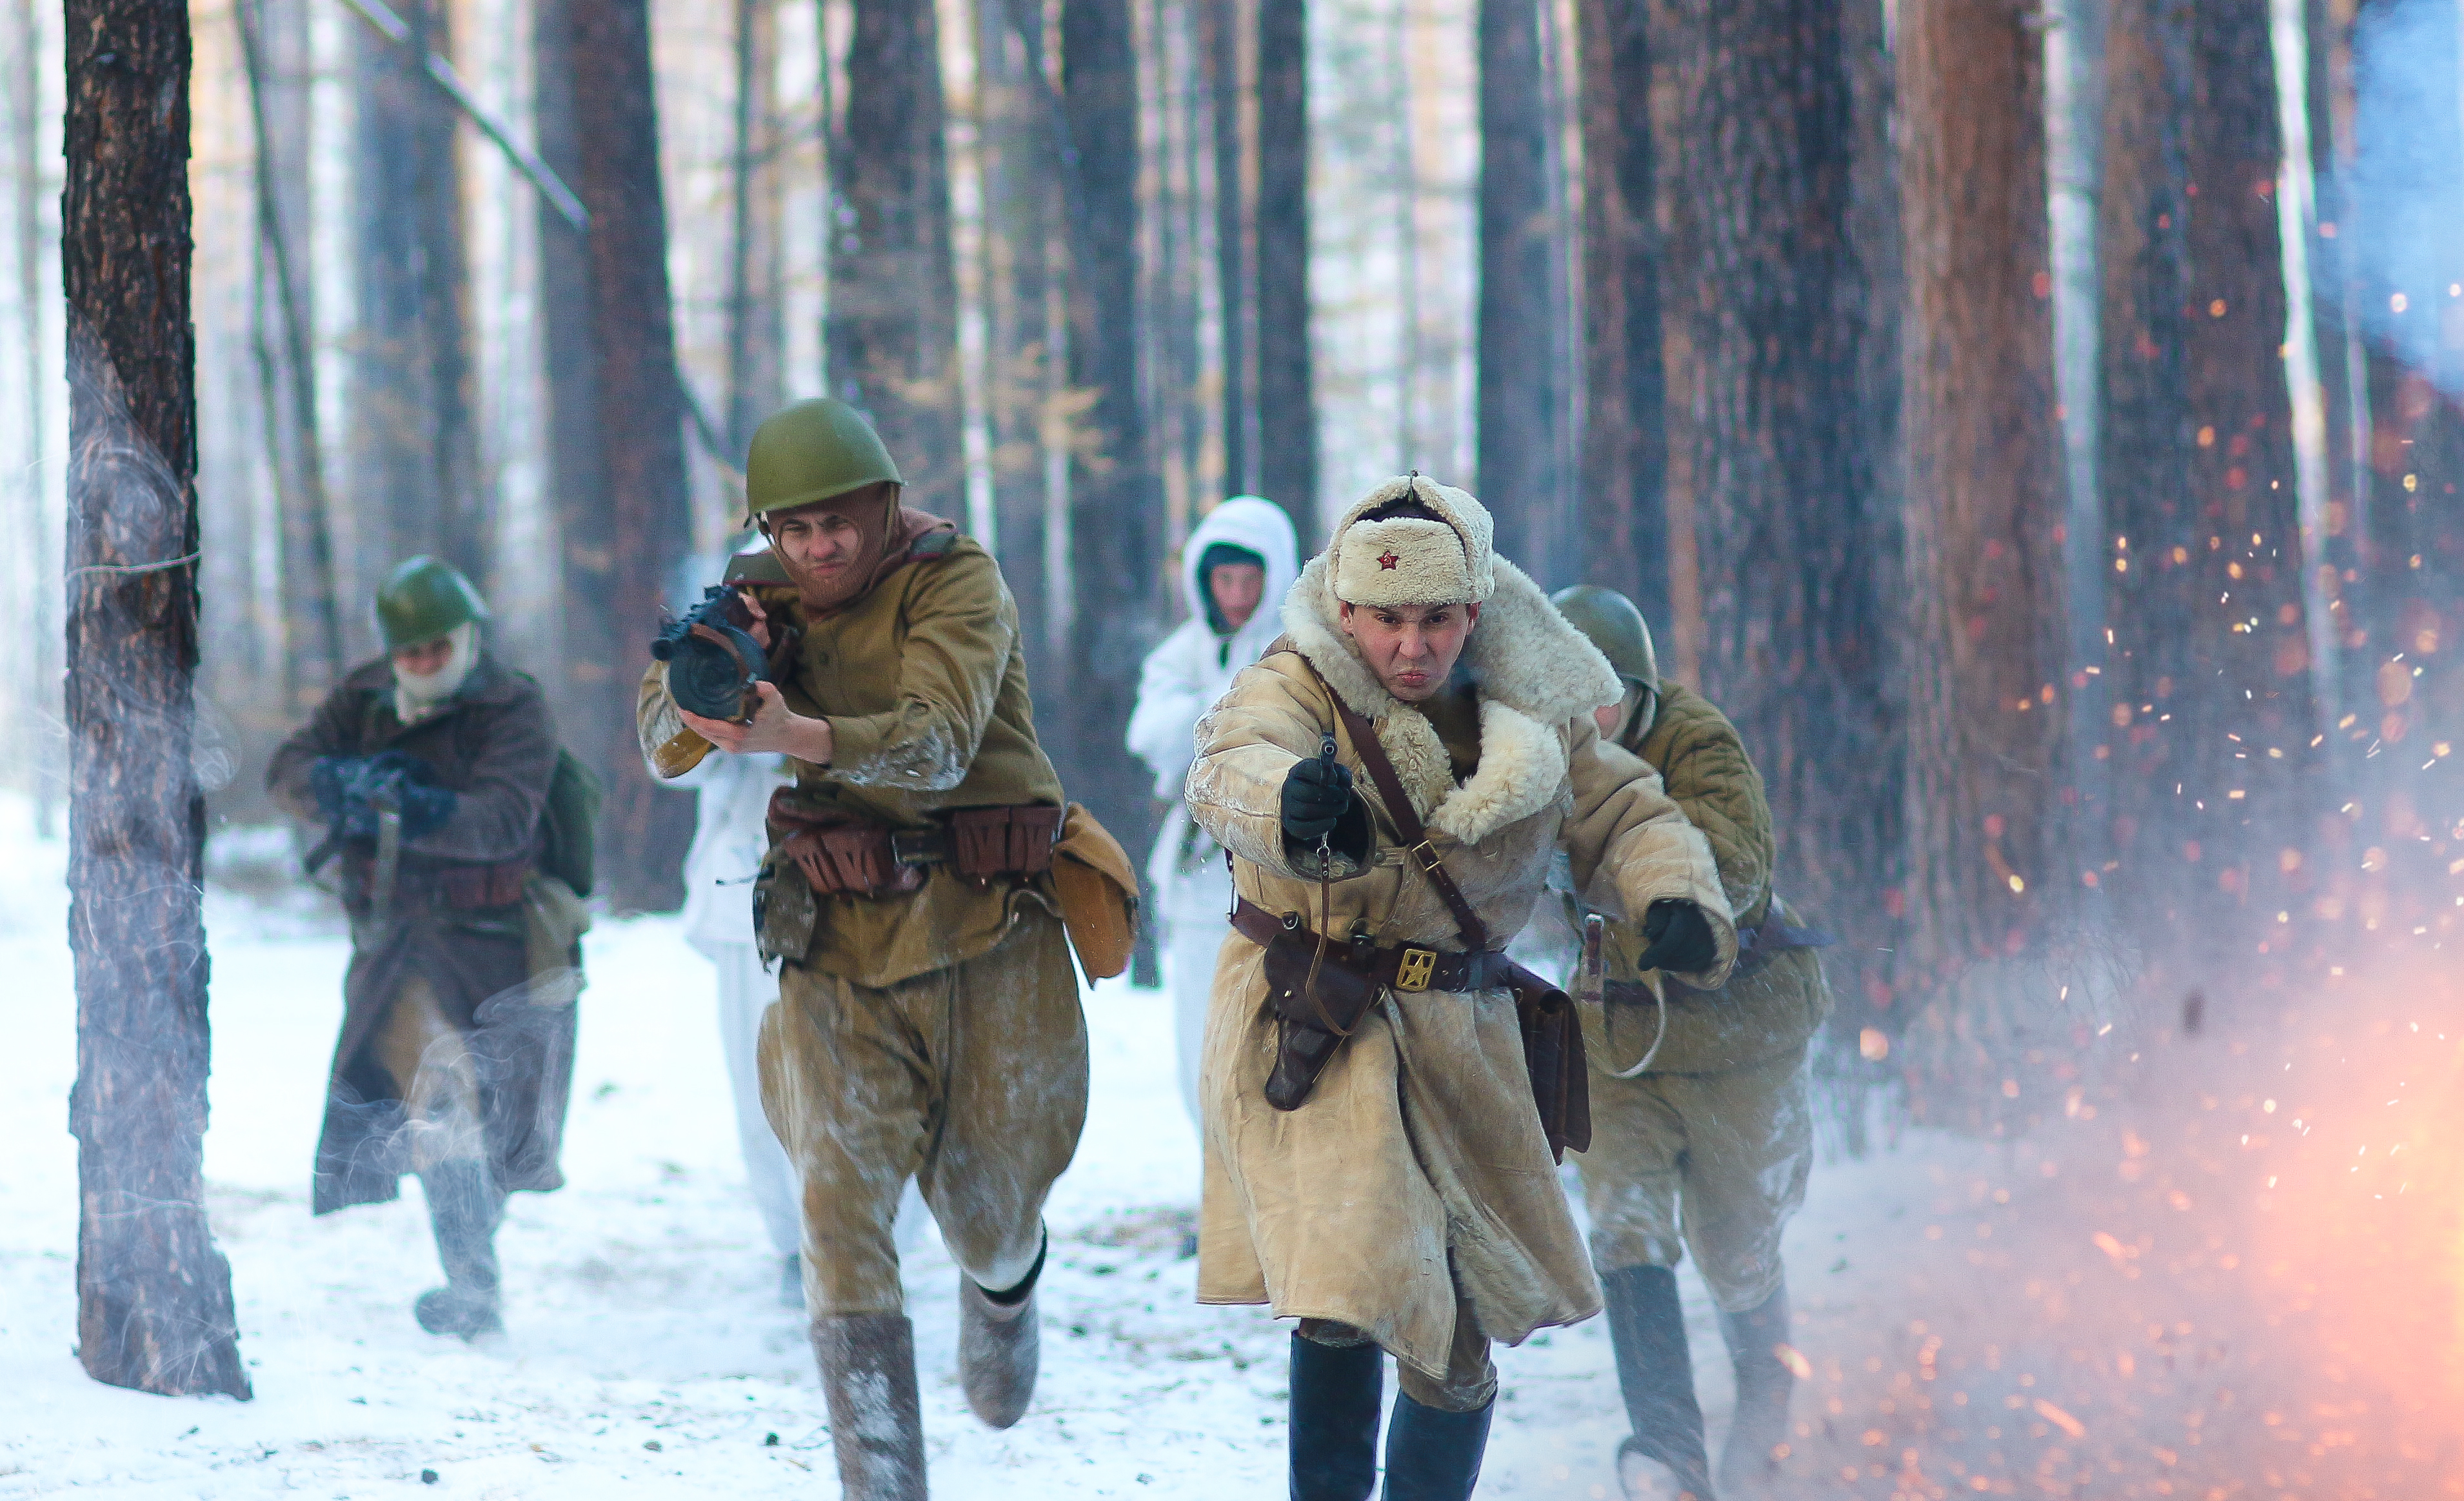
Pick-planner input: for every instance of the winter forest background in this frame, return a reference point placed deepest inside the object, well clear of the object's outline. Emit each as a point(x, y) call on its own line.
point(2038, 427)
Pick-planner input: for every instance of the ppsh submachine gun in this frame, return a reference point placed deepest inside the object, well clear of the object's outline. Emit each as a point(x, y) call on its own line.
point(713, 660)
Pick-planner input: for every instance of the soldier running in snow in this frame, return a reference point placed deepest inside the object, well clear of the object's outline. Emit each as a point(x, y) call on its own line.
point(928, 1023)
point(1383, 1087)
point(1236, 569)
point(1702, 1128)
point(430, 773)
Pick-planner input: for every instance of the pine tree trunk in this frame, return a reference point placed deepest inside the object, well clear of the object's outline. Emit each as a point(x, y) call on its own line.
point(1018, 200)
point(154, 1299)
point(757, 329)
point(1287, 460)
point(1788, 526)
point(589, 643)
point(415, 461)
point(1990, 876)
point(1115, 522)
point(1622, 506)
point(644, 511)
point(1223, 29)
point(2145, 446)
point(274, 40)
point(894, 331)
point(1521, 385)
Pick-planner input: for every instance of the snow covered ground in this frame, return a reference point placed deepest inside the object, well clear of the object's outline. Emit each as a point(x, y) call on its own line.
point(2039, 1318)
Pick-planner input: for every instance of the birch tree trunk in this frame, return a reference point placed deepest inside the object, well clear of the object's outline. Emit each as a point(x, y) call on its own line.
point(643, 512)
point(154, 1300)
point(894, 331)
point(1223, 38)
point(1990, 885)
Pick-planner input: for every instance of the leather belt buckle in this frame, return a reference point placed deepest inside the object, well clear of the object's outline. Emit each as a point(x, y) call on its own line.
point(917, 848)
point(1415, 969)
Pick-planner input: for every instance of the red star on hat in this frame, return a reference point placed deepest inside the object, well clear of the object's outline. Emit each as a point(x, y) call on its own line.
point(1388, 561)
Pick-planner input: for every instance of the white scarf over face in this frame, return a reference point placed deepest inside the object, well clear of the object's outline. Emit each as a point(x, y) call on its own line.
point(415, 698)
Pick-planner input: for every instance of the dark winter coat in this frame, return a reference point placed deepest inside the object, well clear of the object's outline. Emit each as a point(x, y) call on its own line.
point(1774, 999)
point(495, 745)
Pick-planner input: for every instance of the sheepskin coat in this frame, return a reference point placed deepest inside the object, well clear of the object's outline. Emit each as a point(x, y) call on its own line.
point(1418, 1162)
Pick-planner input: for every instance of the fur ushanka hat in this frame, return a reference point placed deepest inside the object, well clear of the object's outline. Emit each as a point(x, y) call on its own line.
point(1412, 560)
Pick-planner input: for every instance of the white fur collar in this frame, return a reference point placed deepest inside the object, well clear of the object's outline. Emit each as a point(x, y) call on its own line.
point(1535, 674)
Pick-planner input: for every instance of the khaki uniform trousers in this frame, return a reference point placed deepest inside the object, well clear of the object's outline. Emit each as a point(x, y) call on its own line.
point(435, 1077)
point(971, 1080)
point(1716, 1162)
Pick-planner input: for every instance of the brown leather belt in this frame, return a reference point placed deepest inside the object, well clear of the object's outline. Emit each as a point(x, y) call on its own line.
point(1406, 967)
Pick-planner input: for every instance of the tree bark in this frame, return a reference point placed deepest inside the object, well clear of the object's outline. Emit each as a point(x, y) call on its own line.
point(1622, 506)
point(1019, 194)
point(757, 329)
point(1223, 30)
point(1791, 539)
point(1521, 400)
point(590, 640)
point(273, 43)
point(645, 514)
point(2144, 447)
point(1286, 461)
point(894, 331)
point(1990, 874)
point(415, 458)
point(154, 1300)
point(1115, 531)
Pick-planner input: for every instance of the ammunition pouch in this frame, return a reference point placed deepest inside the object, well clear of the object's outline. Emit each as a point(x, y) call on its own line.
point(1016, 839)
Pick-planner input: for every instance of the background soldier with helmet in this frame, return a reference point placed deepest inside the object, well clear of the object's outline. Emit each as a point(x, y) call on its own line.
point(1702, 1128)
point(432, 775)
point(928, 1024)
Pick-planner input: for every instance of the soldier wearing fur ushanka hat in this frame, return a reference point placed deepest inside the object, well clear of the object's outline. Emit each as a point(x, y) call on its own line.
point(1393, 781)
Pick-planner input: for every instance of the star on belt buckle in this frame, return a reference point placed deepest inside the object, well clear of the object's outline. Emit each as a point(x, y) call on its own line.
point(1418, 967)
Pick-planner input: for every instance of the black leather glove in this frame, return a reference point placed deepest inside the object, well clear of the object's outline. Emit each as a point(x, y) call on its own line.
point(1678, 937)
point(1316, 796)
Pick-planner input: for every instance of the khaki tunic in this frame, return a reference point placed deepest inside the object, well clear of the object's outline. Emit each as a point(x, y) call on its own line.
point(1418, 1166)
point(934, 1034)
point(1710, 1148)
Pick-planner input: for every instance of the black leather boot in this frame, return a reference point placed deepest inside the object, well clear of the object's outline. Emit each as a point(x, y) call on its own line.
point(1433, 1455)
point(463, 1208)
point(1664, 1460)
point(1764, 1384)
point(868, 1364)
point(999, 1347)
point(1336, 1395)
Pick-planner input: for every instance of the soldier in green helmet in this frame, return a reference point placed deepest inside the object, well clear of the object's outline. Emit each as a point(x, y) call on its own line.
point(928, 1023)
point(1702, 1128)
point(427, 777)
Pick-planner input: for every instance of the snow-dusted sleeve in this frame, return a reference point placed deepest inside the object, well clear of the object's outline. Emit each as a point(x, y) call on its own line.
point(669, 747)
point(1269, 718)
point(1171, 698)
point(961, 627)
point(1629, 845)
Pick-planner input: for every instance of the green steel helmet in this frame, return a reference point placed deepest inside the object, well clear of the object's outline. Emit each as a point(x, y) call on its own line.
point(1616, 627)
point(423, 599)
point(813, 450)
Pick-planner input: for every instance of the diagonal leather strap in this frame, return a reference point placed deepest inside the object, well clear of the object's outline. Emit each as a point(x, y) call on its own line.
point(1407, 819)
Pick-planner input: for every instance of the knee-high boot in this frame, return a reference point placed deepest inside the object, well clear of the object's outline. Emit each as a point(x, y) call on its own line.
point(868, 1364)
point(1432, 1454)
point(464, 1207)
point(1337, 1390)
point(1664, 1460)
point(1764, 1384)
